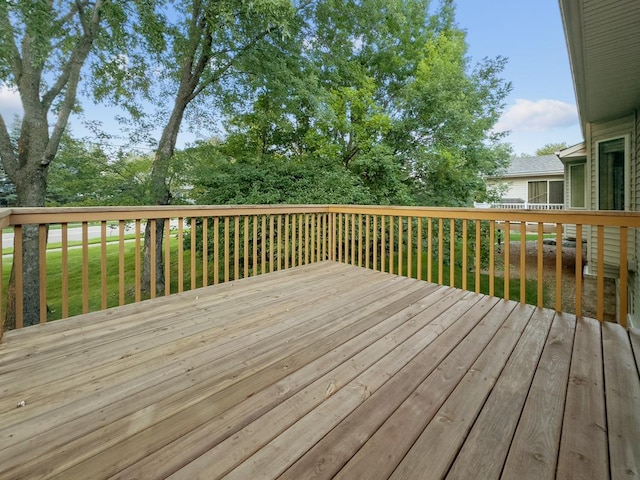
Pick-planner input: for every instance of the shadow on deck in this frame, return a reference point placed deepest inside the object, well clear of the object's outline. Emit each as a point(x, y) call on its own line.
point(321, 371)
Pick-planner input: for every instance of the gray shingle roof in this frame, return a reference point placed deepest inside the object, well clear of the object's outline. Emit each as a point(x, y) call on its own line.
point(524, 166)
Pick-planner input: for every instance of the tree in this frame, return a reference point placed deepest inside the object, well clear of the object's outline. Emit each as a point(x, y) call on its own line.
point(83, 175)
point(447, 120)
point(43, 48)
point(550, 148)
point(75, 177)
point(210, 42)
point(218, 178)
point(388, 93)
point(42, 51)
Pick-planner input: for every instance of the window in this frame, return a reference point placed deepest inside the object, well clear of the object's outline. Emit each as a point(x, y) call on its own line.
point(546, 191)
point(556, 191)
point(611, 175)
point(577, 182)
point(538, 192)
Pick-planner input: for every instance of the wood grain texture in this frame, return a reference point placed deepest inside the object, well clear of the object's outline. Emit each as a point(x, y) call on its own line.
point(534, 448)
point(623, 397)
point(439, 443)
point(320, 371)
point(485, 448)
point(583, 447)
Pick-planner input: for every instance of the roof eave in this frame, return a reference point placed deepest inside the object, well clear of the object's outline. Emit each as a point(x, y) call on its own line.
point(572, 21)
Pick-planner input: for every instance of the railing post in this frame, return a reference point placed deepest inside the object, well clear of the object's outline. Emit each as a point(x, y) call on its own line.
point(17, 255)
point(540, 298)
point(492, 249)
point(103, 264)
point(152, 265)
point(167, 256)
point(600, 281)
point(623, 276)
point(419, 248)
point(464, 253)
point(558, 267)
point(452, 252)
point(85, 267)
point(578, 270)
point(507, 260)
point(375, 242)
point(523, 262)
point(42, 241)
point(121, 278)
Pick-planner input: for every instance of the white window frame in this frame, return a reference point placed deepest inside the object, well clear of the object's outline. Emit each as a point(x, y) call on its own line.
point(585, 186)
point(548, 190)
point(627, 171)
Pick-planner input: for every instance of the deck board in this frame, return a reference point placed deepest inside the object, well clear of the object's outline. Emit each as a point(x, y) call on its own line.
point(322, 371)
point(584, 451)
point(485, 449)
point(439, 443)
point(622, 390)
point(534, 448)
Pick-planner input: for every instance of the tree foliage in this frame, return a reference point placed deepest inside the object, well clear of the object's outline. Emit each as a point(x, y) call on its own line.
point(351, 101)
point(550, 148)
point(386, 90)
point(43, 48)
point(84, 175)
point(217, 179)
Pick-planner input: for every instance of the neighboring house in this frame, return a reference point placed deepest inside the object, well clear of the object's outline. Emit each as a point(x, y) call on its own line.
point(531, 182)
point(603, 173)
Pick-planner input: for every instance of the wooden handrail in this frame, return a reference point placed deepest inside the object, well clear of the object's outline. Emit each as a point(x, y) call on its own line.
point(459, 247)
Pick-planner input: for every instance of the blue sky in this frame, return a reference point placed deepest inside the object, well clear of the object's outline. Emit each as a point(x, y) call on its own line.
point(541, 108)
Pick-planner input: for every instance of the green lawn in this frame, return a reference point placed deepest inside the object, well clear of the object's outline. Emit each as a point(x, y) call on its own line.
point(77, 243)
point(514, 283)
point(54, 277)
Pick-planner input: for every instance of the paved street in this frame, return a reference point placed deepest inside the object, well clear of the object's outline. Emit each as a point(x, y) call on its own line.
point(74, 234)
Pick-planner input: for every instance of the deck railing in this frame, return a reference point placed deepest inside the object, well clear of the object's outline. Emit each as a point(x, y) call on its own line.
point(522, 206)
point(204, 245)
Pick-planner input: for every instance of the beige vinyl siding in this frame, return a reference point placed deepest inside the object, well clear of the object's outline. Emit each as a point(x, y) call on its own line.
point(517, 189)
point(634, 280)
point(570, 230)
point(601, 131)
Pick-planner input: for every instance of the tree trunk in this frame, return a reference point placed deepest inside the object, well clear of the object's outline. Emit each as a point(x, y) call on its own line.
point(30, 193)
point(160, 192)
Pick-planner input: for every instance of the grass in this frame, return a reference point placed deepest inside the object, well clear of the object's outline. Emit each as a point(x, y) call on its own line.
point(77, 243)
point(74, 265)
point(531, 286)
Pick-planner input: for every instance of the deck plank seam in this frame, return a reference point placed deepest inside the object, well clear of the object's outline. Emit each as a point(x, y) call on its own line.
point(418, 288)
point(564, 405)
point(488, 395)
point(283, 333)
point(461, 379)
point(425, 376)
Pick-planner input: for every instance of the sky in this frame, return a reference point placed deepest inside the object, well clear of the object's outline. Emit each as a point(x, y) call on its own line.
point(541, 107)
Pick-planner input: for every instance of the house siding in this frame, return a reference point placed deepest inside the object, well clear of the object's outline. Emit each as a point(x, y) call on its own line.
point(634, 280)
point(600, 131)
point(570, 230)
point(517, 188)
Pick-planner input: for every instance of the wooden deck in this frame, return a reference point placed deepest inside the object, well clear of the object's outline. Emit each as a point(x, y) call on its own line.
point(322, 371)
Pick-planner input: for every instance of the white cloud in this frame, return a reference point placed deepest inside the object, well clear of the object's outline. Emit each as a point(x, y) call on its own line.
point(541, 115)
point(10, 103)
